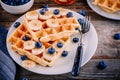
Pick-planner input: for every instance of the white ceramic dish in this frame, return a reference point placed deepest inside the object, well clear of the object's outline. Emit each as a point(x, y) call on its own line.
point(63, 65)
point(115, 16)
point(17, 9)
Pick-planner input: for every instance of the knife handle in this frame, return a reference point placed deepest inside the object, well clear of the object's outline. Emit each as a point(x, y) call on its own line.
point(77, 61)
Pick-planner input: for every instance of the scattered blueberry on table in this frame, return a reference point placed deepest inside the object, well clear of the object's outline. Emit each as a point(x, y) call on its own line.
point(23, 57)
point(42, 11)
point(59, 45)
point(51, 50)
point(101, 65)
point(116, 36)
point(75, 39)
point(56, 11)
point(26, 38)
point(16, 24)
point(82, 12)
point(38, 44)
point(69, 14)
point(64, 53)
point(15, 2)
point(25, 78)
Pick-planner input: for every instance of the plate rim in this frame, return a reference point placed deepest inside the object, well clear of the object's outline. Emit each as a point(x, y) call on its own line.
point(93, 52)
point(109, 17)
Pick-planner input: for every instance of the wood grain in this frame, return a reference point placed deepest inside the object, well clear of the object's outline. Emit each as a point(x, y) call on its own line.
point(108, 49)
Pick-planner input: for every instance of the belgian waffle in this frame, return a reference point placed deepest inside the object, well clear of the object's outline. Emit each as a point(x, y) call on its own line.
point(48, 31)
point(110, 6)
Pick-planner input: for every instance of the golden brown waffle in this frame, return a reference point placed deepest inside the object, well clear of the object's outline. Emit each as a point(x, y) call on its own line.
point(110, 6)
point(49, 31)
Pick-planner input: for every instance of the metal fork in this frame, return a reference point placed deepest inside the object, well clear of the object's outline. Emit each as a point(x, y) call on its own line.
point(79, 53)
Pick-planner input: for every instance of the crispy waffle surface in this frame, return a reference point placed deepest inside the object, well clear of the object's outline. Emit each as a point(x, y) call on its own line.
point(110, 6)
point(49, 31)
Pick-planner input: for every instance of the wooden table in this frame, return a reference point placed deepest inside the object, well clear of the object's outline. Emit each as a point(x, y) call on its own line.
point(108, 49)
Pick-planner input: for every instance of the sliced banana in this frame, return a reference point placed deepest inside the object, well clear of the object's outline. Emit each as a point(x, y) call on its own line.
point(28, 45)
point(63, 0)
point(35, 25)
point(48, 56)
point(52, 23)
point(31, 15)
point(37, 51)
point(46, 16)
point(63, 11)
point(28, 64)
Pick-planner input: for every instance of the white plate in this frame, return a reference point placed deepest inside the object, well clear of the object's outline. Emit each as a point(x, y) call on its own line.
point(63, 65)
point(115, 16)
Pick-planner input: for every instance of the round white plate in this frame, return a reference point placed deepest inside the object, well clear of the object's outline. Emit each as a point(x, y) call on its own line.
point(63, 64)
point(115, 16)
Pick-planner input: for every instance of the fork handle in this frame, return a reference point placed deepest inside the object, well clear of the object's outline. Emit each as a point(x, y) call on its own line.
point(77, 61)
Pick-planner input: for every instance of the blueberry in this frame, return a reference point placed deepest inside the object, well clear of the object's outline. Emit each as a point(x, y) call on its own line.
point(17, 1)
point(78, 29)
point(82, 12)
point(101, 65)
point(117, 36)
point(56, 11)
point(25, 78)
point(75, 39)
point(51, 50)
point(45, 7)
point(59, 45)
point(16, 24)
point(69, 14)
point(7, 2)
point(38, 44)
point(80, 21)
point(26, 38)
point(12, 3)
point(22, 1)
point(24, 57)
point(42, 11)
point(64, 53)
point(26, 1)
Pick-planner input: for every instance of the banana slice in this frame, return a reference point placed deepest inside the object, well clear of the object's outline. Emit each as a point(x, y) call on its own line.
point(46, 16)
point(28, 64)
point(28, 45)
point(37, 51)
point(35, 25)
point(63, 0)
point(31, 15)
point(52, 23)
point(63, 11)
point(48, 56)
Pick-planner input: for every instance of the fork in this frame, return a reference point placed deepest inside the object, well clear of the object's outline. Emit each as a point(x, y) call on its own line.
point(79, 52)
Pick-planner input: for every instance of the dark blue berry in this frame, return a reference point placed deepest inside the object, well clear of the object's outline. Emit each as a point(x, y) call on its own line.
point(101, 65)
point(117, 36)
point(75, 39)
point(7, 2)
point(64, 53)
point(38, 44)
point(78, 29)
point(22, 1)
point(12, 3)
point(26, 38)
point(25, 78)
point(24, 57)
point(42, 11)
point(16, 24)
point(45, 6)
point(26, 1)
point(69, 14)
point(56, 11)
point(17, 1)
point(59, 45)
point(80, 21)
point(51, 50)
point(82, 12)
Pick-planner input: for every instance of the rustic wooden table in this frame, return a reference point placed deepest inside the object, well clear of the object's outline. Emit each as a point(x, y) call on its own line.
point(108, 49)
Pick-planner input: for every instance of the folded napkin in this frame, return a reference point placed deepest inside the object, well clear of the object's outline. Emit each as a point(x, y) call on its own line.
point(7, 66)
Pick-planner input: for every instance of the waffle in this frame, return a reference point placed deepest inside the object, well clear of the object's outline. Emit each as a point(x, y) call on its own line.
point(44, 59)
point(48, 31)
point(110, 6)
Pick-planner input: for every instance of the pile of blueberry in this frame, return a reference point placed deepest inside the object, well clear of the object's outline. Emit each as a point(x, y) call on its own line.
point(15, 2)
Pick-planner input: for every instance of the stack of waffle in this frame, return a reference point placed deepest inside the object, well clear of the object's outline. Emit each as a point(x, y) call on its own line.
point(47, 29)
